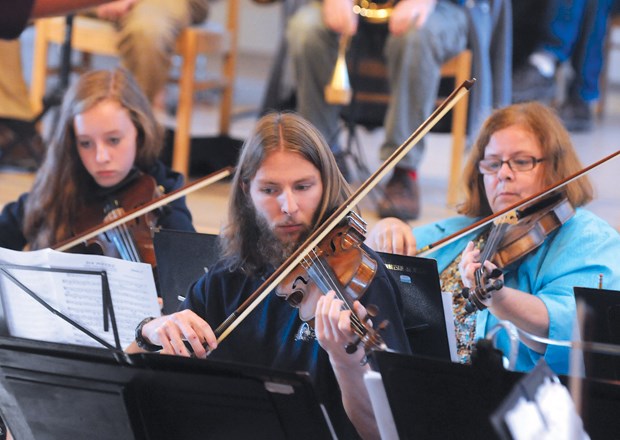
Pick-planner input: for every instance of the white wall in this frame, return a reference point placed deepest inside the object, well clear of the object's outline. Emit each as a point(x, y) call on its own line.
point(259, 25)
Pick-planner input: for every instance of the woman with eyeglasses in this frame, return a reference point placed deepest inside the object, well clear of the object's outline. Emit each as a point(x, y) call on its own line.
point(521, 150)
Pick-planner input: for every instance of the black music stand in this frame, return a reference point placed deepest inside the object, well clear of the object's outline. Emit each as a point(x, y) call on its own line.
point(602, 325)
point(182, 258)
point(54, 391)
point(433, 399)
point(424, 317)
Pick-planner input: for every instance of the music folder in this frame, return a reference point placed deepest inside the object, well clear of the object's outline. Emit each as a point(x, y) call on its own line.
point(182, 258)
point(428, 317)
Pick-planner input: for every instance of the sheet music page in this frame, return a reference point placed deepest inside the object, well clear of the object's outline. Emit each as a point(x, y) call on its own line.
point(79, 296)
point(380, 405)
point(551, 415)
point(448, 313)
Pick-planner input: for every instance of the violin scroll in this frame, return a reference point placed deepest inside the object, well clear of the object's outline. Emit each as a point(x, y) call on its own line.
point(365, 334)
point(482, 291)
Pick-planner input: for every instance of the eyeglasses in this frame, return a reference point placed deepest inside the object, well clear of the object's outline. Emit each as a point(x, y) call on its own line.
point(517, 164)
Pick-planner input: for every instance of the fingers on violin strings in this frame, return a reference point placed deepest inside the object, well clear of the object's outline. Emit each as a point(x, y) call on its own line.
point(489, 266)
point(328, 316)
point(361, 311)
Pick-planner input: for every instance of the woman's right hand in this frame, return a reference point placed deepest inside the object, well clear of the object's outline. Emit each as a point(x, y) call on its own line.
point(171, 330)
point(393, 236)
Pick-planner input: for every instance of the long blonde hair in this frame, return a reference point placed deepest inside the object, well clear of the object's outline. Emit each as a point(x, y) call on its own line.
point(277, 132)
point(560, 157)
point(62, 183)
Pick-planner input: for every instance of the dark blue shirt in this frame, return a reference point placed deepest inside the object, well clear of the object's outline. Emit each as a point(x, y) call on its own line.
point(272, 334)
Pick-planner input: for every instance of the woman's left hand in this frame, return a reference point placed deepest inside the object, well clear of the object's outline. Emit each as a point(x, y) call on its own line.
point(469, 264)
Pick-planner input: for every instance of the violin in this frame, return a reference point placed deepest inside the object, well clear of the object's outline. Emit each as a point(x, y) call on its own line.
point(131, 241)
point(141, 210)
point(315, 240)
point(338, 263)
point(513, 237)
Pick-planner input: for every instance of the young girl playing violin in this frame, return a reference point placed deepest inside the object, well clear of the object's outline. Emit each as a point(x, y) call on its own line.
point(106, 141)
point(521, 150)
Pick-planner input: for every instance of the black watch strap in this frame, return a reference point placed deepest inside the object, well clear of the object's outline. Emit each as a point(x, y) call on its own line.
point(141, 341)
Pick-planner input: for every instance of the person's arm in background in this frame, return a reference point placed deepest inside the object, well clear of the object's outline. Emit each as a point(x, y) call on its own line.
point(46, 8)
point(14, 16)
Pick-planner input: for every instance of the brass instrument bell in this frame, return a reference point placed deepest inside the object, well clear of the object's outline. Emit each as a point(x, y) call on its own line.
point(338, 91)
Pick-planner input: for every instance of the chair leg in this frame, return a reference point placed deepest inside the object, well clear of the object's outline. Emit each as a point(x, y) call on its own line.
point(229, 67)
point(181, 151)
point(39, 67)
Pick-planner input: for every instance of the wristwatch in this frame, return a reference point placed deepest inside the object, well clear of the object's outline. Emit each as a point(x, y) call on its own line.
point(143, 343)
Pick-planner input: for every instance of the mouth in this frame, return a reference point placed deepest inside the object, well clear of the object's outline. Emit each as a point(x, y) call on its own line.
point(106, 174)
point(505, 194)
point(290, 228)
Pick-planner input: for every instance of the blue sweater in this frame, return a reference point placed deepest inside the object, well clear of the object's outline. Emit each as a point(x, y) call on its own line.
point(574, 255)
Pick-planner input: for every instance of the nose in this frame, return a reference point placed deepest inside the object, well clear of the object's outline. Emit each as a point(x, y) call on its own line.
point(102, 154)
point(288, 204)
point(505, 172)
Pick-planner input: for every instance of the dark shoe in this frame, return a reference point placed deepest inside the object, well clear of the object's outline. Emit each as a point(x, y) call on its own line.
point(21, 147)
point(528, 84)
point(576, 115)
point(402, 197)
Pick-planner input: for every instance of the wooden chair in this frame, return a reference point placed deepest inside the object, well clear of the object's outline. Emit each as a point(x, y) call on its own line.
point(98, 37)
point(459, 68)
point(613, 24)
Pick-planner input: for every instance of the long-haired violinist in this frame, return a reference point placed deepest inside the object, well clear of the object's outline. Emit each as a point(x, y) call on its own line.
point(285, 186)
point(551, 246)
point(103, 153)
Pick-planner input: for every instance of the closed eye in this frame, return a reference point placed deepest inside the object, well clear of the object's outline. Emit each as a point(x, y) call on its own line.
point(114, 140)
point(84, 143)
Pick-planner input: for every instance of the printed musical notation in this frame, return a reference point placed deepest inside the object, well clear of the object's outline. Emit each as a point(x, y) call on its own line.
point(77, 295)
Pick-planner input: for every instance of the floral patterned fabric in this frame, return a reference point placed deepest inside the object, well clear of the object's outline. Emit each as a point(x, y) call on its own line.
point(464, 323)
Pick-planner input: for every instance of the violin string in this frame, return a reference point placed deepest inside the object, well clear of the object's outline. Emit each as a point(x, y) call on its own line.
point(356, 323)
point(328, 280)
point(124, 240)
point(130, 243)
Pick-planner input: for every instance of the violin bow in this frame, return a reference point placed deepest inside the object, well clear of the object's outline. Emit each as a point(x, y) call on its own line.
point(145, 208)
point(513, 210)
point(333, 220)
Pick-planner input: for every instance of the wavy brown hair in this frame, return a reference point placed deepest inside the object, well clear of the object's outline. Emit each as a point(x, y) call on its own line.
point(276, 132)
point(62, 183)
point(560, 157)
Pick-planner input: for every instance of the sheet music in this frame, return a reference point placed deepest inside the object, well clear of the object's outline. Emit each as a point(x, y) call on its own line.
point(380, 405)
point(551, 415)
point(79, 296)
point(448, 313)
